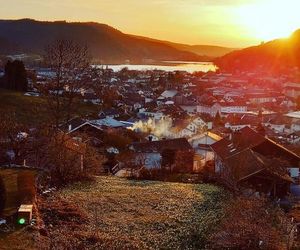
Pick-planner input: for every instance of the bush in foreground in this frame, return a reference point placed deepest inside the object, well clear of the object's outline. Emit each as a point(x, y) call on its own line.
point(251, 223)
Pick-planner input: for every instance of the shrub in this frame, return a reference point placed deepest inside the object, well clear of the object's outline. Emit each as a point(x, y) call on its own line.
point(250, 223)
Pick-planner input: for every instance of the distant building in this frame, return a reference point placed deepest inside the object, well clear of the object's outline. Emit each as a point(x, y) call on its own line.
point(292, 90)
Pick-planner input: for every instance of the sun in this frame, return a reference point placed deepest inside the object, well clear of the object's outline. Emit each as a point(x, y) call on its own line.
point(270, 19)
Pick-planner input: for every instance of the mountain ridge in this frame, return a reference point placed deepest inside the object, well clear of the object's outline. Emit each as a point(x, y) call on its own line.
point(105, 42)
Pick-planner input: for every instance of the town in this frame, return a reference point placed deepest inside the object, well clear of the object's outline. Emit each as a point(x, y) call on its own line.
point(178, 127)
point(239, 131)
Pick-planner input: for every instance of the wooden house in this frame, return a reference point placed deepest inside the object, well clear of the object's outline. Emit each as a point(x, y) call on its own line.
point(247, 159)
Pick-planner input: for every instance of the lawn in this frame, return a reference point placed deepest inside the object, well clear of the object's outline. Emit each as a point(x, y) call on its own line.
point(30, 110)
point(115, 213)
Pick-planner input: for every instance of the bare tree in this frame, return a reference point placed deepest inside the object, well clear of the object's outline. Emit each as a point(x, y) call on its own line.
point(70, 63)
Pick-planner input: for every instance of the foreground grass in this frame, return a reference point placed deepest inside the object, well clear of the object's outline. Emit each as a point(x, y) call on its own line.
point(124, 214)
point(19, 240)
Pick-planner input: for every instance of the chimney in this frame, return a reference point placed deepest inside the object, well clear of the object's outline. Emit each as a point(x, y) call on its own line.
point(70, 127)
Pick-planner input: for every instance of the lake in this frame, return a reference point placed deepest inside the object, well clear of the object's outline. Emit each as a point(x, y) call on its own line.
point(190, 67)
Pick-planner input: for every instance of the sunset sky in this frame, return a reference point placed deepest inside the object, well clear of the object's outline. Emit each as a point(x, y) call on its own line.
point(234, 23)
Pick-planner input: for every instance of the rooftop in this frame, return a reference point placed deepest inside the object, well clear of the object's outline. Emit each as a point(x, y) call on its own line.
point(247, 138)
point(159, 146)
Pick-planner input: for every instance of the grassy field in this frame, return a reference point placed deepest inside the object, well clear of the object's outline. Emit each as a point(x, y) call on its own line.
point(123, 214)
point(29, 109)
point(26, 108)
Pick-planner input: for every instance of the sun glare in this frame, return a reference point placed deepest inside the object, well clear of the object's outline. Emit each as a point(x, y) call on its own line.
point(270, 19)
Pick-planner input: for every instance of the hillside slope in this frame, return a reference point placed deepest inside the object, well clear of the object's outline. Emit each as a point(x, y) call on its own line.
point(275, 56)
point(105, 43)
point(203, 50)
point(208, 51)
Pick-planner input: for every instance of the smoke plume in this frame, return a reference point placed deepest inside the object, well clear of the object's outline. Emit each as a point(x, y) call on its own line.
point(160, 128)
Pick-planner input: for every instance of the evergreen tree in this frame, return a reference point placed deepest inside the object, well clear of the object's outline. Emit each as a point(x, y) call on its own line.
point(7, 74)
point(15, 76)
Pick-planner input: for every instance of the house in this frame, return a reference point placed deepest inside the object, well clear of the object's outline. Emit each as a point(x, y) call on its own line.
point(72, 124)
point(236, 122)
point(152, 154)
point(109, 113)
point(208, 105)
point(278, 123)
point(189, 109)
point(173, 111)
point(91, 98)
point(288, 103)
point(233, 107)
point(292, 90)
point(190, 126)
point(201, 144)
point(80, 125)
point(294, 120)
point(86, 132)
point(148, 113)
point(133, 101)
point(107, 122)
point(259, 98)
point(211, 109)
point(167, 95)
point(248, 160)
